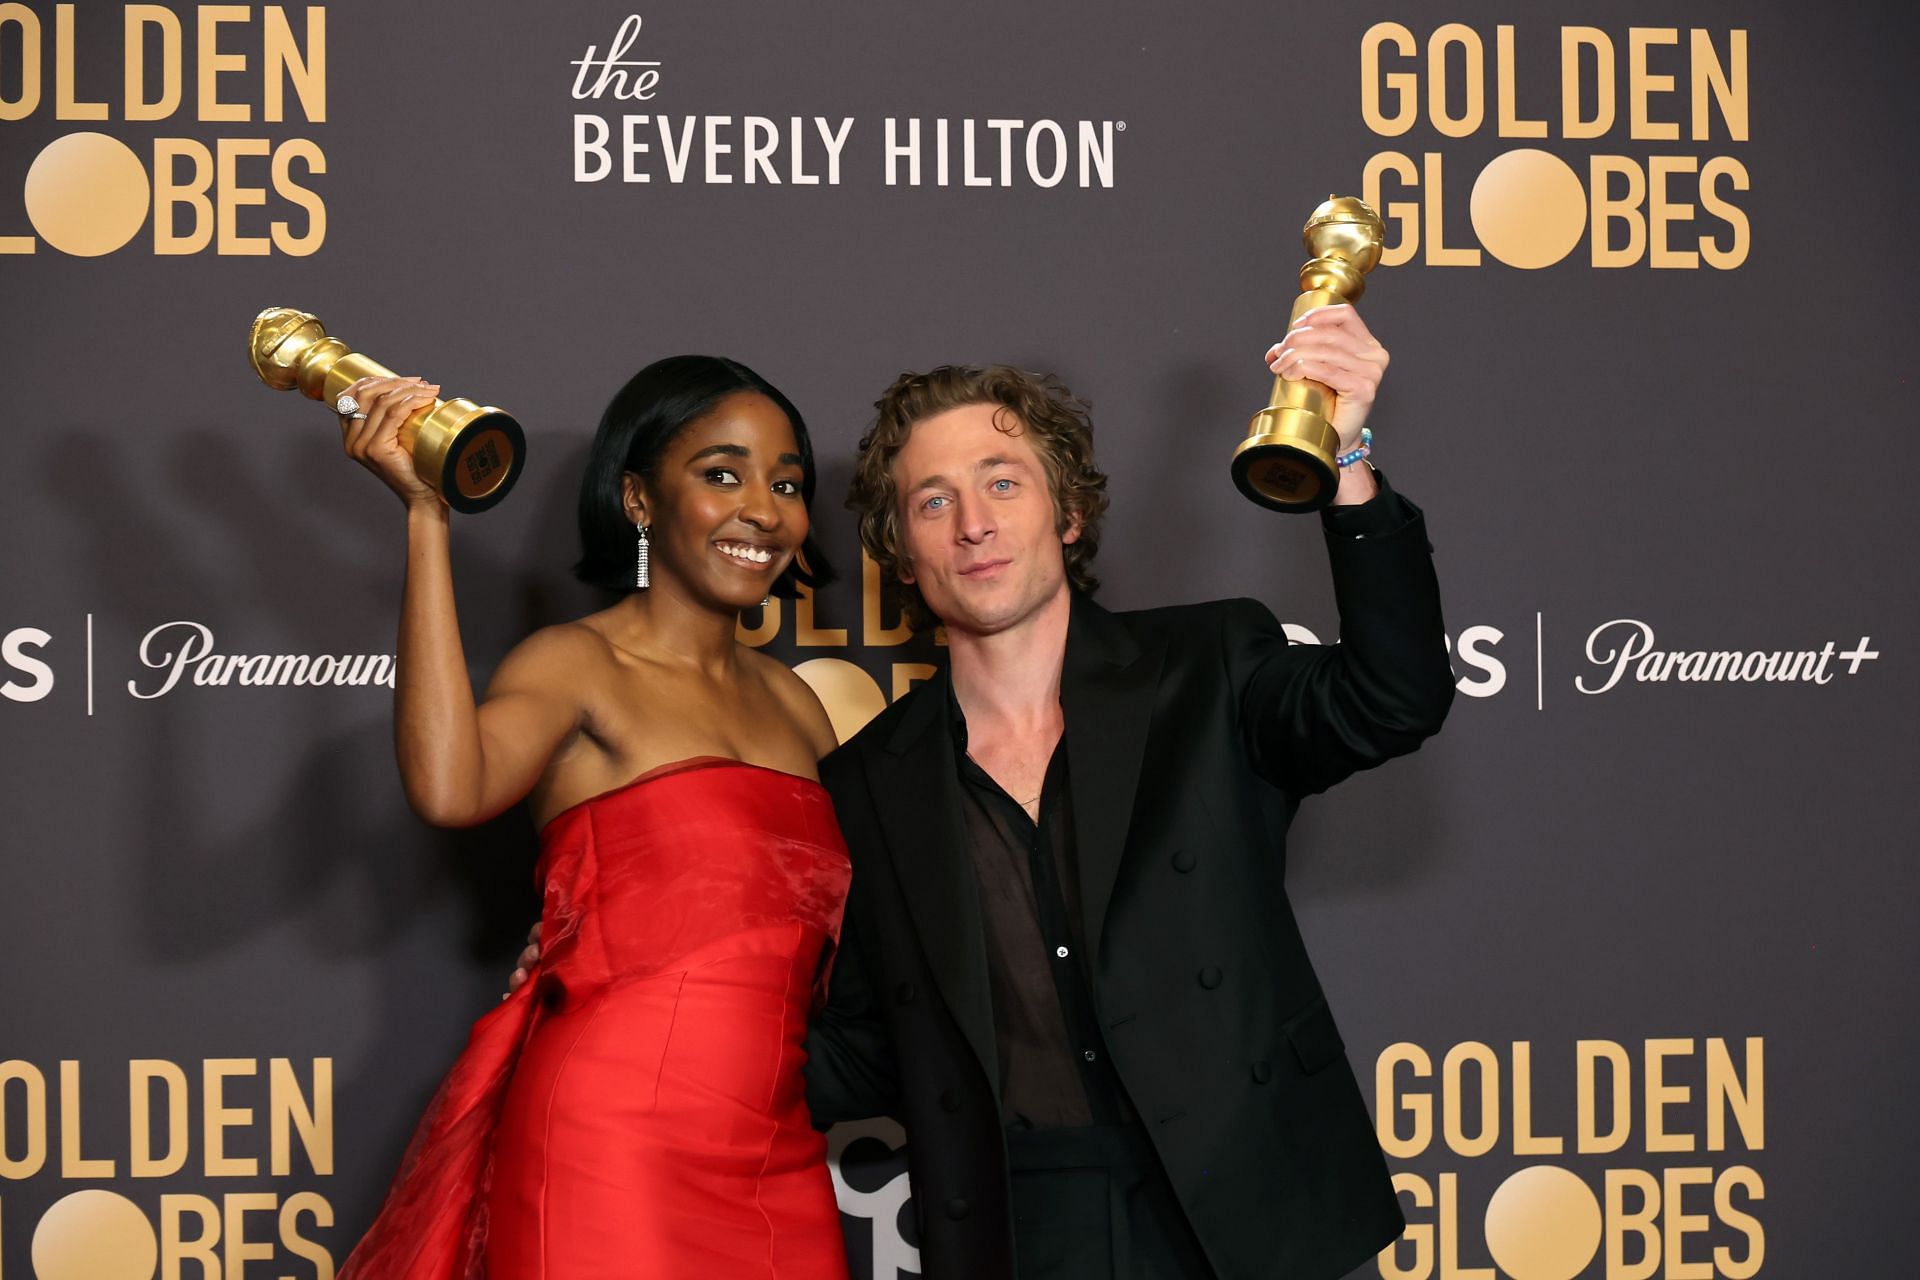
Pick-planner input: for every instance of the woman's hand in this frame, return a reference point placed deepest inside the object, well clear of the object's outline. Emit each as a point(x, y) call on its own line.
point(374, 441)
point(529, 957)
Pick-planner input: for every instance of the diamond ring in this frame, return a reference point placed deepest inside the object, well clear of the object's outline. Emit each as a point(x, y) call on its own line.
point(348, 407)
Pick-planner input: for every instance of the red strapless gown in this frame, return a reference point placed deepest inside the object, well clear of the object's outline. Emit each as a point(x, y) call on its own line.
point(637, 1109)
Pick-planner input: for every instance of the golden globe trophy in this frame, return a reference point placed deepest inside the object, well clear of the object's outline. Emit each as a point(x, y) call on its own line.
point(1286, 463)
point(469, 453)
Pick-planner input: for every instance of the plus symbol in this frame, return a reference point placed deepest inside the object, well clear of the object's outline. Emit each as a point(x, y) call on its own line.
point(1854, 657)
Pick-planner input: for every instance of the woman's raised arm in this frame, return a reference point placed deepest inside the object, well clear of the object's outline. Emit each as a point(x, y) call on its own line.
point(461, 761)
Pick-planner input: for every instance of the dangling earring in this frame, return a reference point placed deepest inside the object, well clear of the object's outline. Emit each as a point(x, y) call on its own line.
point(640, 568)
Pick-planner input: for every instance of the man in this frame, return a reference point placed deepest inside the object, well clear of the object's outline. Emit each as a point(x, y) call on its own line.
point(1069, 966)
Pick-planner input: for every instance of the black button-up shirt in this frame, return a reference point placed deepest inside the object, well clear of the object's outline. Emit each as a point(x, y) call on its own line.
point(1053, 1063)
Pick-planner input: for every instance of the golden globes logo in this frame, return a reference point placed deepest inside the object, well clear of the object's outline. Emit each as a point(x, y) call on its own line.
point(1671, 204)
point(88, 193)
point(241, 1119)
point(850, 695)
point(1648, 1181)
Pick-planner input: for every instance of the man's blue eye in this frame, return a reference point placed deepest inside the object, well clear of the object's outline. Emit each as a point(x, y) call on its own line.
point(932, 503)
point(1003, 485)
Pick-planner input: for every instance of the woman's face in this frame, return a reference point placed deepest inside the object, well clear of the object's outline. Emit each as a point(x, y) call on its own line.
point(725, 512)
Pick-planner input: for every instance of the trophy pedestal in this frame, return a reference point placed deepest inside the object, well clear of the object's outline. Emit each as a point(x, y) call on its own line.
point(466, 451)
point(1287, 462)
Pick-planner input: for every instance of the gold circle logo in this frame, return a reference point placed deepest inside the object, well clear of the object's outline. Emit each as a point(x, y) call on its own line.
point(94, 1235)
point(87, 194)
point(1528, 208)
point(849, 694)
point(1543, 1224)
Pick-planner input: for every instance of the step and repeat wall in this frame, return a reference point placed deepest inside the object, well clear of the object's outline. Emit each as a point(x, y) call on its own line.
point(1624, 956)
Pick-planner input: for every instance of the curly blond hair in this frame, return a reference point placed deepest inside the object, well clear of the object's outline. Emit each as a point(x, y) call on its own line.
point(1053, 419)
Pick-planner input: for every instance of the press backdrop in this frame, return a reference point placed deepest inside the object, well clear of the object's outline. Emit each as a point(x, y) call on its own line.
point(1625, 955)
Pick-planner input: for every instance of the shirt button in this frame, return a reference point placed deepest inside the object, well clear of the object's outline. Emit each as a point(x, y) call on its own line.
point(1061, 952)
point(1089, 1055)
point(1210, 977)
point(956, 1208)
point(949, 1100)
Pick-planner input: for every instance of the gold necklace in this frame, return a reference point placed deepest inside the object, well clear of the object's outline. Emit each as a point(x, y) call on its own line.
point(996, 782)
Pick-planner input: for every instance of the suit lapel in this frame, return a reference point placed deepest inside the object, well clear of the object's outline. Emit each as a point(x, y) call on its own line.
point(916, 793)
point(1107, 689)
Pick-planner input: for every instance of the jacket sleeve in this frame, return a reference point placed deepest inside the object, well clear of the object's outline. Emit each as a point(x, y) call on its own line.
point(1310, 715)
point(850, 1070)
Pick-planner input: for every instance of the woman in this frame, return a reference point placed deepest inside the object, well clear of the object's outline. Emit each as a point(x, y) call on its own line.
point(637, 1109)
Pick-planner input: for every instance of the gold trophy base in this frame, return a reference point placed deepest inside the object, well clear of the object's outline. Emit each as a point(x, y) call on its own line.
point(466, 451)
point(1287, 461)
point(469, 453)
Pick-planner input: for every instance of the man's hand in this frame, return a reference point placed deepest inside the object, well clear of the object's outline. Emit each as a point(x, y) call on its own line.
point(1333, 346)
point(523, 968)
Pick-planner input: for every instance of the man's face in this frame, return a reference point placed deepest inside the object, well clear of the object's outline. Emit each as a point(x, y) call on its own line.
point(978, 516)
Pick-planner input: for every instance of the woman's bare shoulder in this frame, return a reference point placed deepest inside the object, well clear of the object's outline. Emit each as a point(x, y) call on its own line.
point(799, 699)
point(554, 655)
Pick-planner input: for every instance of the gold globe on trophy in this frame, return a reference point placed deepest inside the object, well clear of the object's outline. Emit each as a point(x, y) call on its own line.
point(471, 454)
point(1287, 462)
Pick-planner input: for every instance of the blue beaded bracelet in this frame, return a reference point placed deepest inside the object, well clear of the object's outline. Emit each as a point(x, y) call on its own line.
point(1366, 447)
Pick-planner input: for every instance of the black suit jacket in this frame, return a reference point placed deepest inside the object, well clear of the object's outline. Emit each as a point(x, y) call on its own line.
point(1191, 733)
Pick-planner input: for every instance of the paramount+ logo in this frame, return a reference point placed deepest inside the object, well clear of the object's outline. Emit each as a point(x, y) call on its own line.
point(237, 184)
point(1646, 126)
point(1602, 1160)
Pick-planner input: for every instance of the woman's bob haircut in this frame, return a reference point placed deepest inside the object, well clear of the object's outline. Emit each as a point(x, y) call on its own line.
point(635, 432)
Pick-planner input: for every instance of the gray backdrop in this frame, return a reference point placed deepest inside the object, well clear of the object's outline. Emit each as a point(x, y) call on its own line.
point(1664, 914)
